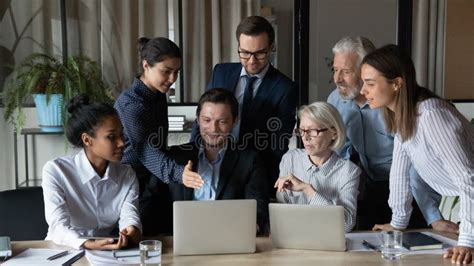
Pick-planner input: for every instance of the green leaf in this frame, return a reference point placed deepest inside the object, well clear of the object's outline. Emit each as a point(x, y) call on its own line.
point(42, 73)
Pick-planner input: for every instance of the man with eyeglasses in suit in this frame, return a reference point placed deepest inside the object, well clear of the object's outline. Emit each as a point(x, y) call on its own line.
point(267, 98)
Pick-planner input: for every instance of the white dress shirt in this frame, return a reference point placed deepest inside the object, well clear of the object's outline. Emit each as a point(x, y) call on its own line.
point(77, 201)
point(336, 182)
point(442, 152)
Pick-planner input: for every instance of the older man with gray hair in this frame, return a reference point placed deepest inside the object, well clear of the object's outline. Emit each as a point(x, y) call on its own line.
point(367, 136)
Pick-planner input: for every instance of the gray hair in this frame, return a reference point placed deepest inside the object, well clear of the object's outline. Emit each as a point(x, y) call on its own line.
point(327, 116)
point(359, 45)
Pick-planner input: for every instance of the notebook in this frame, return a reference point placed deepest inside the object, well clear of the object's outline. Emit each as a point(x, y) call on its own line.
point(296, 226)
point(135, 252)
point(214, 227)
point(420, 241)
point(120, 257)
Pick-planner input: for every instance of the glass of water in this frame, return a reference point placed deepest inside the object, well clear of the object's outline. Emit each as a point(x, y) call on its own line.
point(392, 245)
point(150, 252)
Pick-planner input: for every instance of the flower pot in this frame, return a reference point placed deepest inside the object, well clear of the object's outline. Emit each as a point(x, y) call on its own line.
point(49, 112)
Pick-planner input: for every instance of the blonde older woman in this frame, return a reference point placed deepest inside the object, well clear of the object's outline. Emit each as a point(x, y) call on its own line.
point(316, 174)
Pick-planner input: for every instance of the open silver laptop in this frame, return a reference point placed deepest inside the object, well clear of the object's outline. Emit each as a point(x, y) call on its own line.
point(214, 227)
point(297, 226)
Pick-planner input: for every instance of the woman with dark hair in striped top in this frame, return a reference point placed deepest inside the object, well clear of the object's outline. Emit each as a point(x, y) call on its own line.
point(430, 134)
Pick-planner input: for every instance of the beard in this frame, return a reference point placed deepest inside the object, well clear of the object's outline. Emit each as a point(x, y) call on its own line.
point(351, 94)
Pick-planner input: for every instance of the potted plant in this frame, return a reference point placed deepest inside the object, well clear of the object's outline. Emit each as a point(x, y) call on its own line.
point(51, 83)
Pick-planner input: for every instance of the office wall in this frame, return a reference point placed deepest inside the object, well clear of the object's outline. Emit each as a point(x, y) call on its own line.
point(283, 13)
point(6, 154)
point(467, 109)
point(459, 57)
point(330, 20)
point(46, 147)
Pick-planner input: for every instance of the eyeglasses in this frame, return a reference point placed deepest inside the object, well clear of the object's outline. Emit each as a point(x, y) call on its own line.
point(260, 55)
point(311, 132)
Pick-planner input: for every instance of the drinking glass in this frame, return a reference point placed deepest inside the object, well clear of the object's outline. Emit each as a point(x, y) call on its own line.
point(149, 249)
point(392, 245)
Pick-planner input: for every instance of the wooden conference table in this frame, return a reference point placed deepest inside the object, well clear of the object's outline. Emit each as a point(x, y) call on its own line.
point(265, 255)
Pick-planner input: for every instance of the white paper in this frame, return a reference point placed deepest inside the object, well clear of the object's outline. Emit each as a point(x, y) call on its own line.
point(97, 257)
point(39, 256)
point(354, 243)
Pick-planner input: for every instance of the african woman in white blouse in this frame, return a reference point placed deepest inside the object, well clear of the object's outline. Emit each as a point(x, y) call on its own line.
point(430, 134)
point(92, 192)
point(316, 174)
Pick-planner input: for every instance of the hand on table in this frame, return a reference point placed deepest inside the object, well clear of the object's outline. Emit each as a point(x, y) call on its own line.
point(132, 233)
point(383, 227)
point(106, 244)
point(459, 254)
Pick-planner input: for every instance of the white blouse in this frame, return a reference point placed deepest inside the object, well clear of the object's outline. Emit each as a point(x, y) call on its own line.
point(77, 201)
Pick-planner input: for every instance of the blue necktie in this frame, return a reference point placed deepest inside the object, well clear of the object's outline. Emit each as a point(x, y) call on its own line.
point(248, 95)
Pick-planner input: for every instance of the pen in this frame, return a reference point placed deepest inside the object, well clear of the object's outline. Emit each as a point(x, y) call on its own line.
point(59, 255)
point(369, 246)
point(75, 258)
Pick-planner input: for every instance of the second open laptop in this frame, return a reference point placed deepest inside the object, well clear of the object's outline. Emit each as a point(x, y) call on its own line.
point(214, 227)
point(297, 226)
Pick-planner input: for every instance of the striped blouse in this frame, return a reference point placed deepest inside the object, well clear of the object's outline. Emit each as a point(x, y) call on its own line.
point(442, 152)
point(336, 182)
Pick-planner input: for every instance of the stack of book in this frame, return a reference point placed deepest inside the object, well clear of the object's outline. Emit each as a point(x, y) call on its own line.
point(176, 122)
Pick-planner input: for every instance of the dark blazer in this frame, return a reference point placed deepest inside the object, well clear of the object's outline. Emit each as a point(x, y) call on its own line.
point(242, 176)
point(272, 113)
